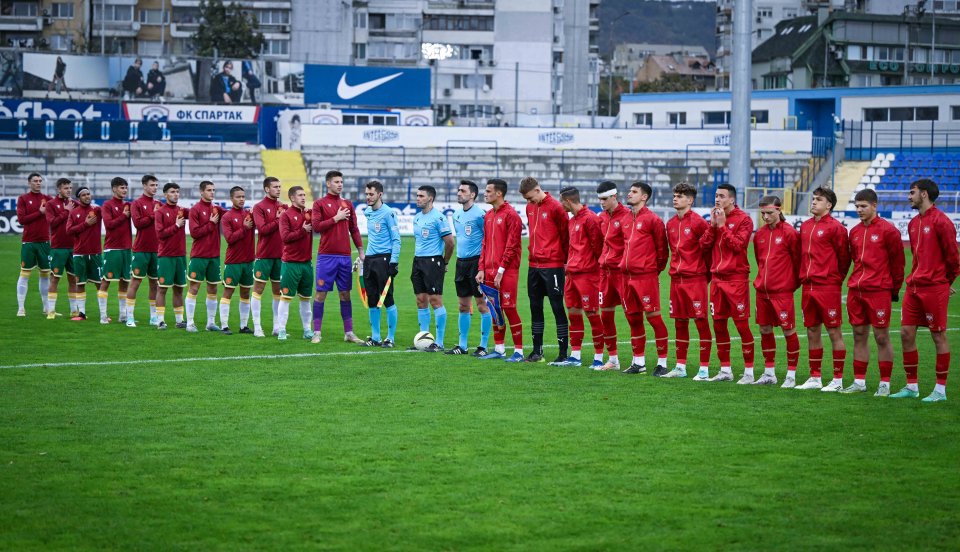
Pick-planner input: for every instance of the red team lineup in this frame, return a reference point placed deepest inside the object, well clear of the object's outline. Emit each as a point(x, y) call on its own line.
point(594, 263)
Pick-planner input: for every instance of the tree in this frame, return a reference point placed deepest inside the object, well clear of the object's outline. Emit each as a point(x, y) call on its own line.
point(227, 31)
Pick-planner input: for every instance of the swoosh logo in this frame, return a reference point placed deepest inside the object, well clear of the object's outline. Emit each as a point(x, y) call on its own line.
point(348, 92)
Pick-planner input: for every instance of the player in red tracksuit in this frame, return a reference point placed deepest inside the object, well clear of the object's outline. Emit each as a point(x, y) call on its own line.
point(728, 237)
point(84, 226)
point(644, 258)
point(239, 233)
point(614, 222)
point(296, 279)
point(936, 264)
point(35, 246)
point(824, 262)
point(689, 270)
point(266, 266)
point(204, 256)
point(776, 248)
point(877, 253)
point(169, 221)
point(582, 287)
point(117, 256)
point(499, 264)
point(144, 263)
point(61, 247)
point(547, 246)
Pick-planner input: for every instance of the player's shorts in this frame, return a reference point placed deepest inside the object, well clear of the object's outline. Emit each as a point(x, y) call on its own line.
point(465, 278)
point(641, 293)
point(730, 299)
point(61, 260)
point(116, 264)
point(204, 268)
point(265, 270)
point(869, 307)
point(582, 291)
point(87, 268)
point(611, 288)
point(688, 298)
point(144, 265)
point(376, 270)
point(508, 286)
point(926, 306)
point(776, 309)
point(427, 275)
point(334, 269)
point(35, 254)
point(238, 274)
point(545, 282)
point(821, 306)
point(295, 279)
point(171, 271)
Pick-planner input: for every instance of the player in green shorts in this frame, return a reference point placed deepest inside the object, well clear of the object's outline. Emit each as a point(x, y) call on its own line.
point(204, 256)
point(35, 250)
point(61, 248)
point(237, 227)
point(116, 246)
point(143, 263)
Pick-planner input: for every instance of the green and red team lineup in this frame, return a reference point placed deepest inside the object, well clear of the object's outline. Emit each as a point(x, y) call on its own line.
point(585, 265)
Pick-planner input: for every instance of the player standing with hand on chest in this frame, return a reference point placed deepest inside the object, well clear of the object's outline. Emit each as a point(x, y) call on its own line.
point(35, 246)
point(61, 247)
point(84, 226)
point(296, 231)
point(116, 247)
point(144, 259)
point(582, 286)
point(237, 226)
point(204, 255)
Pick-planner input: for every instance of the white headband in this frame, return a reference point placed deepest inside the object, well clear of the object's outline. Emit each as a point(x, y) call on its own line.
point(608, 193)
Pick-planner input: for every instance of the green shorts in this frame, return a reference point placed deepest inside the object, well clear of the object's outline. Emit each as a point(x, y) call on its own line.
point(116, 265)
point(238, 274)
point(34, 254)
point(144, 265)
point(202, 268)
point(61, 261)
point(266, 270)
point(87, 268)
point(172, 271)
point(296, 279)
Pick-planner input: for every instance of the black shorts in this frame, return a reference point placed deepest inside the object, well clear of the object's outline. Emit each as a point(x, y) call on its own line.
point(375, 273)
point(427, 276)
point(545, 282)
point(466, 277)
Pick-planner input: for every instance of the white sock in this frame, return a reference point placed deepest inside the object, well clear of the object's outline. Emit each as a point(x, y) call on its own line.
point(276, 307)
point(244, 312)
point(153, 308)
point(615, 360)
point(748, 372)
point(102, 303)
point(502, 349)
point(211, 308)
point(681, 367)
point(792, 373)
point(22, 291)
point(82, 299)
point(191, 303)
point(283, 311)
point(913, 387)
point(940, 388)
point(178, 314)
point(255, 307)
point(662, 362)
point(575, 354)
point(705, 368)
point(44, 290)
point(224, 312)
point(726, 370)
point(517, 350)
point(639, 360)
point(122, 303)
point(306, 314)
point(859, 381)
point(769, 372)
point(598, 357)
point(72, 299)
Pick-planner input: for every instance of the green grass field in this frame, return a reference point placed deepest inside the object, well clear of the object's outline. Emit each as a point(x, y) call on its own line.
point(139, 439)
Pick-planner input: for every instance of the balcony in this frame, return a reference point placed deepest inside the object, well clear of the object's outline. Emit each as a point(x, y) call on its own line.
point(21, 23)
point(115, 28)
point(250, 4)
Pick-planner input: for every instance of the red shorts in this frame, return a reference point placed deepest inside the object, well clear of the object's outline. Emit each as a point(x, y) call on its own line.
point(688, 298)
point(508, 286)
point(869, 307)
point(582, 291)
point(821, 306)
point(776, 309)
point(641, 293)
point(611, 288)
point(730, 299)
point(926, 306)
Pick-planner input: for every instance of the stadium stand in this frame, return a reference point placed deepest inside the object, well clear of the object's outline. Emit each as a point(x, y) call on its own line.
point(890, 176)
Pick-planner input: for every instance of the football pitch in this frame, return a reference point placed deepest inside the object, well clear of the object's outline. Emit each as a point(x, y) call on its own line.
point(117, 438)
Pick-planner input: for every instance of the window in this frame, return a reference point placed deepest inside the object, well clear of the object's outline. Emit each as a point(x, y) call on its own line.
point(24, 9)
point(919, 55)
point(154, 17)
point(457, 23)
point(378, 21)
point(765, 12)
point(61, 10)
point(772, 82)
point(371, 119)
point(677, 118)
point(955, 112)
point(931, 113)
point(149, 48)
point(272, 47)
point(479, 111)
point(472, 81)
point(359, 51)
point(393, 50)
point(876, 114)
point(60, 42)
point(716, 117)
point(879, 114)
point(112, 12)
point(274, 17)
point(856, 52)
point(388, 120)
point(789, 13)
point(760, 117)
point(360, 20)
point(643, 119)
point(402, 22)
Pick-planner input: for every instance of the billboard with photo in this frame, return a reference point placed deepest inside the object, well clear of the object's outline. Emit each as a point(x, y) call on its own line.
point(86, 77)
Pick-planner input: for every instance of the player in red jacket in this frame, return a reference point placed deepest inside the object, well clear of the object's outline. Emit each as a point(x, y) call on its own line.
point(237, 227)
point(84, 226)
point(547, 245)
point(877, 253)
point(644, 258)
point(116, 246)
point(689, 270)
point(776, 248)
point(296, 279)
point(936, 264)
point(266, 267)
point(144, 262)
point(35, 246)
point(204, 256)
point(61, 247)
point(614, 223)
point(169, 221)
point(582, 287)
point(728, 237)
point(499, 265)
point(824, 262)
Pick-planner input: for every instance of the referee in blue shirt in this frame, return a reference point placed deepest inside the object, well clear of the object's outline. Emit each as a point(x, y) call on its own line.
point(380, 263)
point(468, 224)
point(434, 247)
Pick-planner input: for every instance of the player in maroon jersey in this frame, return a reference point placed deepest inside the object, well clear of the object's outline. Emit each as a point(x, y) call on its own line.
point(237, 227)
point(61, 247)
point(35, 246)
point(614, 223)
point(266, 266)
point(582, 287)
point(116, 246)
point(144, 258)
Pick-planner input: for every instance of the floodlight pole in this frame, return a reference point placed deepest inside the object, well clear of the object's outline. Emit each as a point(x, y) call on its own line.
point(740, 90)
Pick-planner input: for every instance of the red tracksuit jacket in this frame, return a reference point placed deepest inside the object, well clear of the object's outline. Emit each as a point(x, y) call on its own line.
point(547, 223)
point(335, 236)
point(878, 260)
point(728, 253)
point(297, 242)
point(501, 239)
point(824, 252)
point(646, 249)
point(57, 216)
point(266, 219)
point(142, 212)
point(86, 237)
point(119, 234)
point(933, 240)
point(240, 248)
point(777, 251)
point(585, 244)
point(34, 223)
point(171, 239)
point(689, 258)
point(614, 227)
point(205, 234)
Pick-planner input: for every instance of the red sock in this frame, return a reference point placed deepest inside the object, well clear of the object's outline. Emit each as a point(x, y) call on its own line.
point(910, 361)
point(706, 340)
point(610, 331)
point(768, 344)
point(793, 351)
point(576, 331)
point(816, 358)
point(638, 334)
point(660, 334)
point(723, 342)
point(682, 329)
point(516, 326)
point(746, 337)
point(860, 368)
point(886, 368)
point(596, 332)
point(943, 367)
point(839, 359)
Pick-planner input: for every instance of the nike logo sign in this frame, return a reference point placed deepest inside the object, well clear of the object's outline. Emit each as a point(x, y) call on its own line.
point(348, 92)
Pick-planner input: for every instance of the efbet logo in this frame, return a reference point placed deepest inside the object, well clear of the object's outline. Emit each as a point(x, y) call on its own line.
point(555, 138)
point(381, 135)
point(35, 110)
point(155, 113)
